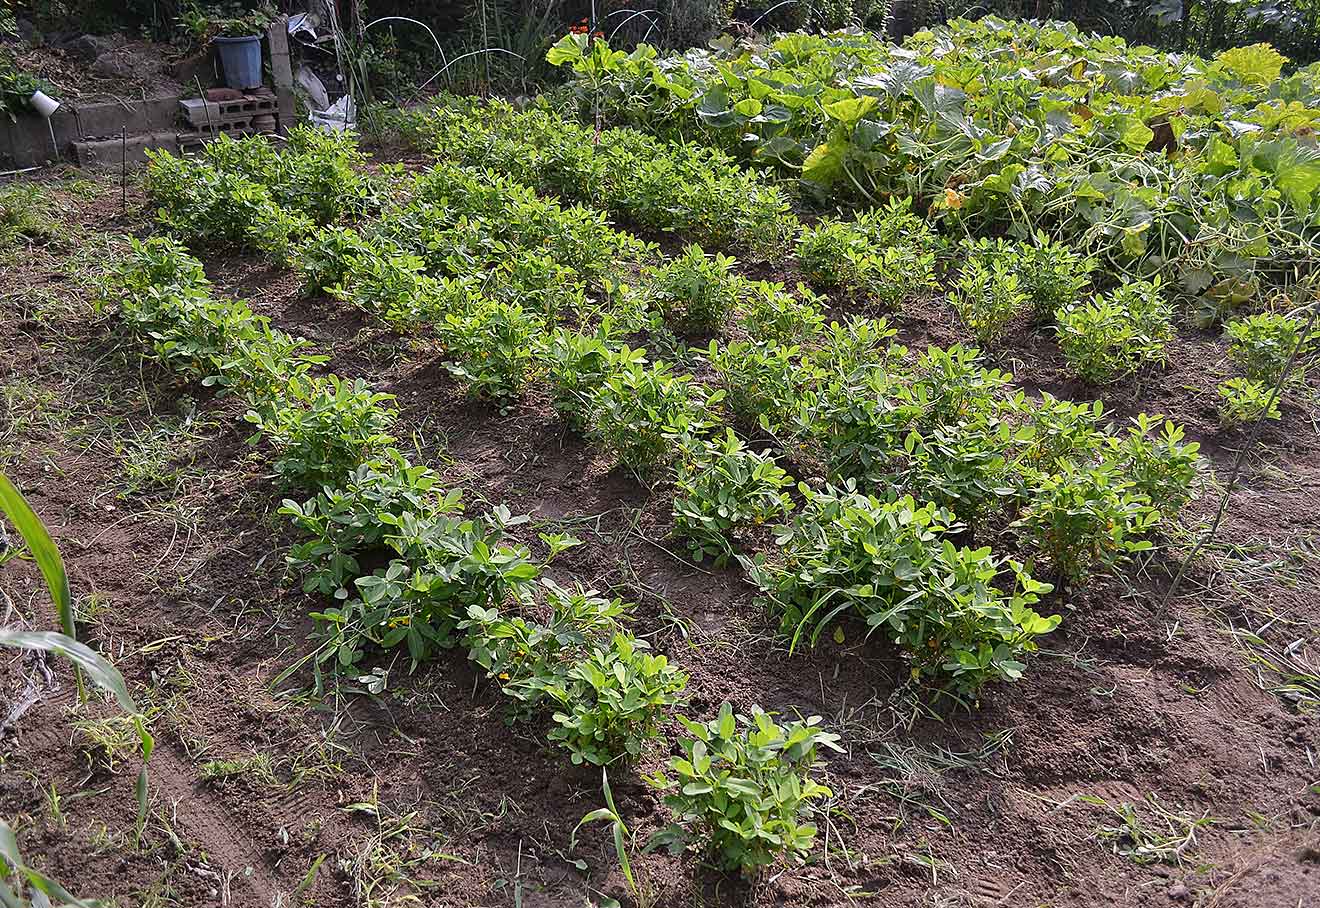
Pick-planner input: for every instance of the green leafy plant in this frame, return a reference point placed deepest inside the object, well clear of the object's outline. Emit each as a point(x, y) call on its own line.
point(25, 214)
point(1154, 458)
point(988, 296)
point(1085, 517)
point(637, 407)
point(770, 314)
point(17, 86)
point(321, 174)
point(832, 253)
point(199, 203)
point(691, 188)
point(892, 565)
point(694, 291)
point(575, 365)
point(1053, 275)
point(898, 274)
point(1222, 216)
point(253, 23)
point(939, 429)
point(885, 255)
point(722, 487)
point(609, 703)
point(540, 284)
point(446, 564)
point(966, 466)
point(474, 217)
point(857, 422)
point(1061, 430)
point(490, 345)
point(1261, 346)
point(526, 656)
point(164, 297)
point(623, 839)
point(1115, 334)
point(244, 192)
point(856, 343)
point(762, 382)
point(343, 522)
point(392, 285)
point(322, 428)
point(34, 886)
point(326, 258)
point(743, 789)
point(605, 689)
point(1242, 400)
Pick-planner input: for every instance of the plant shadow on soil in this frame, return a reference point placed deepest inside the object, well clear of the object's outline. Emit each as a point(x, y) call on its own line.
point(933, 804)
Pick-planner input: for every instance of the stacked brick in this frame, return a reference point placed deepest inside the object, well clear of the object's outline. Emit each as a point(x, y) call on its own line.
point(229, 111)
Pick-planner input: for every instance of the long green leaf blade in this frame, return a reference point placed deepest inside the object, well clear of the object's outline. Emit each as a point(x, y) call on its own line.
point(97, 667)
point(35, 878)
point(106, 676)
point(43, 549)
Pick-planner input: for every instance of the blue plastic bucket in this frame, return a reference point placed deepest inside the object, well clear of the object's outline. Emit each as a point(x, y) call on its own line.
point(241, 60)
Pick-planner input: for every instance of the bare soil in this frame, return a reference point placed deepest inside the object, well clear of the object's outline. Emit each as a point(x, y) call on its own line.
point(165, 517)
point(138, 69)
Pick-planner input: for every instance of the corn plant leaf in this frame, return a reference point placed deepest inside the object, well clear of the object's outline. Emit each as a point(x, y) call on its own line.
point(105, 675)
point(37, 880)
point(84, 657)
point(43, 549)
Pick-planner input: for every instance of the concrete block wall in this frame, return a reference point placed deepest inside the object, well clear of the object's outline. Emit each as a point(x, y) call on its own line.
point(26, 142)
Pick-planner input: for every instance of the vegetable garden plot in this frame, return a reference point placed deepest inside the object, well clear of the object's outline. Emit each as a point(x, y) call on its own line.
point(1203, 170)
point(541, 487)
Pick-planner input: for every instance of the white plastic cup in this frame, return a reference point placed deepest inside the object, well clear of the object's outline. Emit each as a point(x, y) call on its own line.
point(44, 104)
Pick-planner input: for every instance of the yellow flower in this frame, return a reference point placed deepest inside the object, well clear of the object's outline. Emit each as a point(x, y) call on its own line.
point(953, 198)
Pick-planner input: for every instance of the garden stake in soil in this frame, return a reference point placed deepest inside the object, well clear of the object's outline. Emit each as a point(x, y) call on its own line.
point(1240, 460)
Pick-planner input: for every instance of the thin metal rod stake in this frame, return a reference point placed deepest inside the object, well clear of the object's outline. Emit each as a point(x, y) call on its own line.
point(1241, 458)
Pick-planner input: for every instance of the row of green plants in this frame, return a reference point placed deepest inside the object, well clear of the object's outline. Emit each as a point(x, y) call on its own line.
point(840, 416)
point(450, 221)
point(881, 256)
point(649, 417)
point(844, 402)
point(890, 255)
point(921, 455)
point(849, 410)
point(698, 191)
point(745, 785)
point(534, 257)
point(1201, 171)
point(244, 192)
